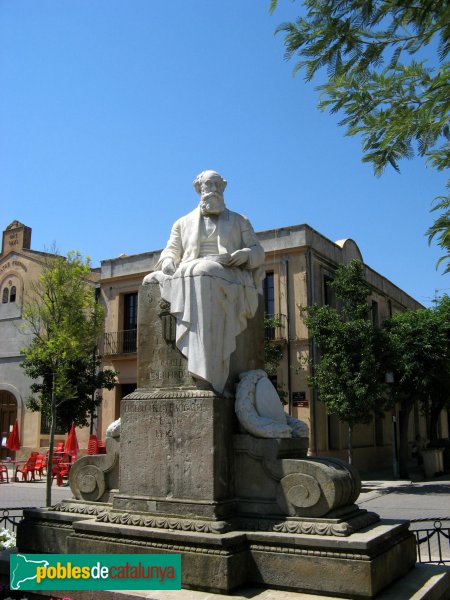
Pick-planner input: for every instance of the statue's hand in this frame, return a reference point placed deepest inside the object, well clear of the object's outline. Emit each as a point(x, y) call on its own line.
point(238, 258)
point(168, 266)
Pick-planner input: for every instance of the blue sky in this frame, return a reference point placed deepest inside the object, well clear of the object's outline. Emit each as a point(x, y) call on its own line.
point(109, 108)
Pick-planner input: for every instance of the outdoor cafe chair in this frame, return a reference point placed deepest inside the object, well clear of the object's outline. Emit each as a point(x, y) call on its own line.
point(28, 467)
point(4, 473)
point(92, 445)
point(61, 468)
point(39, 466)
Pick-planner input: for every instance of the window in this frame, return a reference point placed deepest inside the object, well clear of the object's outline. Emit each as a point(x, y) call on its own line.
point(45, 426)
point(130, 307)
point(9, 293)
point(130, 304)
point(269, 294)
point(375, 315)
point(329, 297)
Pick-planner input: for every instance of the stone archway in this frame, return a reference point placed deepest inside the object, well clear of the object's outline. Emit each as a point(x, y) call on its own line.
point(8, 415)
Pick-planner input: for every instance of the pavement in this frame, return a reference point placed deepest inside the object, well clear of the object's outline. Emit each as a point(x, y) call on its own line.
point(415, 498)
point(29, 493)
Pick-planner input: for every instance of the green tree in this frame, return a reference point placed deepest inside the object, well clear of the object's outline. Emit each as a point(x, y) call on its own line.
point(380, 81)
point(350, 374)
point(65, 322)
point(85, 379)
point(419, 343)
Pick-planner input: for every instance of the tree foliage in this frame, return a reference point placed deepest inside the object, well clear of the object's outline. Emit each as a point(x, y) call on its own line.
point(350, 373)
point(379, 79)
point(65, 322)
point(273, 352)
point(84, 379)
point(419, 343)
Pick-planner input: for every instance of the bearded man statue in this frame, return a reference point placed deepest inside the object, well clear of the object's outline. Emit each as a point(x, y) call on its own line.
point(210, 272)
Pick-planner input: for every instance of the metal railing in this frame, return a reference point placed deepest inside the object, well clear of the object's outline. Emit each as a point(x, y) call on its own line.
point(279, 331)
point(11, 517)
point(432, 540)
point(118, 342)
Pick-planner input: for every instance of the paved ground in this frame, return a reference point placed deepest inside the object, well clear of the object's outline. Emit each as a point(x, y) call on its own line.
point(30, 494)
point(407, 499)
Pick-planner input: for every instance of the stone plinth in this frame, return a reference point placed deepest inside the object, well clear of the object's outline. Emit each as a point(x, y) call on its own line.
point(357, 566)
point(175, 455)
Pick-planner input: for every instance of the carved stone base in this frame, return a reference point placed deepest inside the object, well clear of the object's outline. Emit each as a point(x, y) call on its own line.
point(357, 566)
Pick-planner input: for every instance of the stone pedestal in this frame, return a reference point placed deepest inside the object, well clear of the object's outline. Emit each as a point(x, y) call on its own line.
point(240, 510)
point(175, 456)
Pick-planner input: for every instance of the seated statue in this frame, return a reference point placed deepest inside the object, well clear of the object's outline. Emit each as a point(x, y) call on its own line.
point(210, 273)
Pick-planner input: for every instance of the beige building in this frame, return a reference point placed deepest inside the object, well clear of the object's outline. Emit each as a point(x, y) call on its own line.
point(299, 265)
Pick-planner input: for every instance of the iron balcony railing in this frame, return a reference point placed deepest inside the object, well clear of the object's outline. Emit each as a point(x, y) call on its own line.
point(279, 330)
point(118, 342)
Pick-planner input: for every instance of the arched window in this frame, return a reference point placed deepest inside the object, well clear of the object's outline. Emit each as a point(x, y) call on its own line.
point(12, 294)
point(5, 295)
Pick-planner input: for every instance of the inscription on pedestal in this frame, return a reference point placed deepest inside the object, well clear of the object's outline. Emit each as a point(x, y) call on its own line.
point(181, 448)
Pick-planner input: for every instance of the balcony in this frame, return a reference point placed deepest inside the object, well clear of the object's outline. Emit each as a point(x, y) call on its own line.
point(277, 331)
point(119, 342)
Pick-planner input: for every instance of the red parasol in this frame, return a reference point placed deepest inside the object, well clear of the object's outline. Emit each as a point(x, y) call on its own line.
point(13, 441)
point(72, 443)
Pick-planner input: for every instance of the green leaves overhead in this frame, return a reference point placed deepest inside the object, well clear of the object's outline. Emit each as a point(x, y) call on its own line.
point(386, 73)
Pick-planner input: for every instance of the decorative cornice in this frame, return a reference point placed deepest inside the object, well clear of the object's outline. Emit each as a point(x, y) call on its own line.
point(171, 394)
point(160, 522)
point(311, 527)
point(79, 508)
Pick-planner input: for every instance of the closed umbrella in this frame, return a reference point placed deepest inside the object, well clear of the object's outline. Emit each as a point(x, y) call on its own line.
point(13, 441)
point(72, 443)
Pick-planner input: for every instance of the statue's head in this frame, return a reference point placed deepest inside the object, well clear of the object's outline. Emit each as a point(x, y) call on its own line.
point(210, 185)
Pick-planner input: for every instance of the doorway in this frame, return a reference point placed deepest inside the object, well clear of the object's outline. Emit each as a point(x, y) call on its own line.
point(8, 416)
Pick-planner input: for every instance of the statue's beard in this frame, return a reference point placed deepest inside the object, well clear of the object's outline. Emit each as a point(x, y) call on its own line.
point(212, 204)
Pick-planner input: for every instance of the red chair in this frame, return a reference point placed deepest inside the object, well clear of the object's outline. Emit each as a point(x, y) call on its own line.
point(61, 468)
point(28, 467)
point(39, 466)
point(101, 447)
point(92, 445)
point(43, 465)
point(4, 473)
